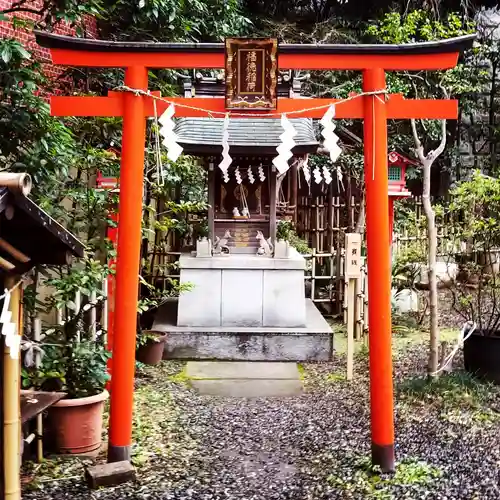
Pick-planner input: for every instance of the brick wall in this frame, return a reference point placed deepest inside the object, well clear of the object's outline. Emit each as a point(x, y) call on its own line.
point(28, 39)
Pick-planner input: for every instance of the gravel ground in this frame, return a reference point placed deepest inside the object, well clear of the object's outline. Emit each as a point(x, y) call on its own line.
point(312, 447)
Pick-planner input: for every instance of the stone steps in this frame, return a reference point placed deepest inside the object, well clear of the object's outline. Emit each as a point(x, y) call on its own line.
point(314, 342)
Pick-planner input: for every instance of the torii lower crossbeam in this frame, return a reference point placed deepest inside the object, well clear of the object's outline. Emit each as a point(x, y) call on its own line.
point(373, 61)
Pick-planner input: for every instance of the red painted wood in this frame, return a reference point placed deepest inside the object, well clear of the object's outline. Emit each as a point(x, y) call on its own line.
point(127, 266)
point(216, 60)
point(379, 271)
point(397, 107)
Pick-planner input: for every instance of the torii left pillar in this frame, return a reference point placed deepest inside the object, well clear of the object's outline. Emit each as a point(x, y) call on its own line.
point(127, 268)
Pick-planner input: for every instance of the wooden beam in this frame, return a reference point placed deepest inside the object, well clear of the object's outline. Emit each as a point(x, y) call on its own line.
point(397, 107)
point(216, 60)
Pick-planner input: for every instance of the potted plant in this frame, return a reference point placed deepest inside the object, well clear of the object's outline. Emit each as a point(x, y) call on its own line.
point(150, 344)
point(474, 213)
point(74, 361)
point(78, 368)
point(149, 347)
point(286, 238)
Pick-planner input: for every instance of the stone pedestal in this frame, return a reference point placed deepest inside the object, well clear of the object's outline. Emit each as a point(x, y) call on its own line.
point(243, 291)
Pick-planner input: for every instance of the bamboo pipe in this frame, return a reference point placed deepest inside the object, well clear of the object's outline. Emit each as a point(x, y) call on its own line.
point(11, 407)
point(17, 183)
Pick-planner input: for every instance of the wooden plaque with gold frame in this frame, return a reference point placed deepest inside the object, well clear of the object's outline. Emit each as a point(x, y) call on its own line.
point(251, 73)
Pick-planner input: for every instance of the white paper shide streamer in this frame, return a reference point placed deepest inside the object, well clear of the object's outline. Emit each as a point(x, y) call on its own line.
point(330, 143)
point(262, 175)
point(226, 158)
point(237, 175)
point(9, 329)
point(317, 175)
point(326, 175)
point(285, 148)
point(328, 133)
point(250, 176)
point(167, 132)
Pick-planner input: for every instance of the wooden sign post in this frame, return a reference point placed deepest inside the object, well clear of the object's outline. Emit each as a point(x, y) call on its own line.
point(351, 274)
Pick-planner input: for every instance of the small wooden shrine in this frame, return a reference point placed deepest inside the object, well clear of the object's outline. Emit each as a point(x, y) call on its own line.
point(243, 286)
point(253, 195)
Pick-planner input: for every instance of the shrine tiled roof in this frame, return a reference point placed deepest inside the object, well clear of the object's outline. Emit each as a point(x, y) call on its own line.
point(246, 135)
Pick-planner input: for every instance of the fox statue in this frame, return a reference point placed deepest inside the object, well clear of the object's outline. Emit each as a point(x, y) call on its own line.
point(220, 246)
point(265, 246)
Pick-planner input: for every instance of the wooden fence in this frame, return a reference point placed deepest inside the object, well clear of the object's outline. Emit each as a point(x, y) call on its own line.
point(322, 221)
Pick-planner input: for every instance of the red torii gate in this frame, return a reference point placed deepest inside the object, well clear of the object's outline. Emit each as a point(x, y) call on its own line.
point(372, 60)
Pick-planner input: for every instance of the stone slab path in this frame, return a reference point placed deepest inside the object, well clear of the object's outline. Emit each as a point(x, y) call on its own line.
point(244, 379)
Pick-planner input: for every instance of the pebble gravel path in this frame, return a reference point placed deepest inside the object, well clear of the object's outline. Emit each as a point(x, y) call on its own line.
point(311, 447)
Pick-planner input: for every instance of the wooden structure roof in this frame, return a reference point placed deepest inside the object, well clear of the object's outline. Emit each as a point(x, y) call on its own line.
point(29, 236)
point(246, 135)
point(452, 45)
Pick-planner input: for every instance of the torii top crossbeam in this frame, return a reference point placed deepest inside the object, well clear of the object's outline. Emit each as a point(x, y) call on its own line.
point(374, 109)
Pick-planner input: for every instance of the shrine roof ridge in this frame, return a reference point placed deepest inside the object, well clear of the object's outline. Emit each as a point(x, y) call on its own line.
point(457, 44)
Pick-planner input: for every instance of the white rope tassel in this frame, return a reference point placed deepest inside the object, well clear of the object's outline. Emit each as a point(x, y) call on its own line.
point(285, 148)
point(226, 158)
point(167, 132)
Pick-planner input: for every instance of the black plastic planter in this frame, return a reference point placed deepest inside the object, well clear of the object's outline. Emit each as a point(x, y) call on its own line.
point(482, 355)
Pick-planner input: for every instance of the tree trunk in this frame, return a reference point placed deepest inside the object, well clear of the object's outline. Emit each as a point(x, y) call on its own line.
point(432, 258)
point(360, 223)
point(430, 215)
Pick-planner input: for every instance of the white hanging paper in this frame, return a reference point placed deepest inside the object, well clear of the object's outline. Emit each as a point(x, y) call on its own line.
point(237, 175)
point(307, 170)
point(340, 182)
point(326, 175)
point(6, 314)
point(7, 321)
point(9, 330)
point(317, 175)
point(262, 175)
point(330, 138)
point(250, 176)
point(226, 158)
point(285, 148)
point(15, 346)
point(167, 132)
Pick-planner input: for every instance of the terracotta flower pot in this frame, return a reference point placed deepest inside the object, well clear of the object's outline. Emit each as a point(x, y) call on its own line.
point(151, 353)
point(75, 425)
